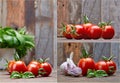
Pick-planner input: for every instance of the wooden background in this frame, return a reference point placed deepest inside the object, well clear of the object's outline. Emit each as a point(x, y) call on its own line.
point(72, 11)
point(40, 18)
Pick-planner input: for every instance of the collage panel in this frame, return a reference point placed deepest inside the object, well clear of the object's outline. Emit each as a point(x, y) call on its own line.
point(82, 69)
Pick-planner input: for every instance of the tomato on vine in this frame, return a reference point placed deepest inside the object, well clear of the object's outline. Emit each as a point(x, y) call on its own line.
point(107, 65)
point(66, 31)
point(45, 68)
point(77, 32)
point(108, 31)
point(86, 63)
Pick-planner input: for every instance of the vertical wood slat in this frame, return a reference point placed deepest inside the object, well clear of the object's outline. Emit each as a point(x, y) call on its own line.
point(101, 49)
point(16, 13)
point(110, 10)
point(62, 14)
point(3, 12)
point(44, 30)
point(0, 10)
point(91, 8)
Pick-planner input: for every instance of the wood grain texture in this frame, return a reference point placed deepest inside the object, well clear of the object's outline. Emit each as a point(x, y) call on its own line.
point(16, 13)
point(3, 12)
point(101, 49)
point(44, 29)
point(62, 14)
point(92, 9)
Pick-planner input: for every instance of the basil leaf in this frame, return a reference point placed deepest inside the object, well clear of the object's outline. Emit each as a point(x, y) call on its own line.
point(100, 73)
point(28, 75)
point(22, 30)
point(15, 74)
point(90, 73)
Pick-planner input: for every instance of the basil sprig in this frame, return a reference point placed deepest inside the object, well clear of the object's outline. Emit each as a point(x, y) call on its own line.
point(97, 73)
point(17, 75)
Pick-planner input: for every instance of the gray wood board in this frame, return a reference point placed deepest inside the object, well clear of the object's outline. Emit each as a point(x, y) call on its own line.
point(45, 29)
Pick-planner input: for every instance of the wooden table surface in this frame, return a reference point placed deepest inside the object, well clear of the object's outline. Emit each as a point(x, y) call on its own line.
point(69, 79)
point(60, 78)
point(5, 78)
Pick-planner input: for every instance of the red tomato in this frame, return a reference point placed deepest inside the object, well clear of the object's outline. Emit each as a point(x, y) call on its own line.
point(10, 64)
point(86, 27)
point(34, 67)
point(67, 31)
point(102, 65)
point(47, 68)
point(108, 32)
point(78, 32)
point(85, 64)
point(112, 67)
point(94, 32)
point(19, 66)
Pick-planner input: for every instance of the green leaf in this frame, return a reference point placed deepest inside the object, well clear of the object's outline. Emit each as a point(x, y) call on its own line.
point(22, 30)
point(84, 53)
point(90, 73)
point(20, 38)
point(86, 19)
point(15, 74)
point(100, 73)
point(28, 75)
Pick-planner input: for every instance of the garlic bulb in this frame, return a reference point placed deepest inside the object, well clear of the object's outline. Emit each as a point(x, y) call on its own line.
point(69, 68)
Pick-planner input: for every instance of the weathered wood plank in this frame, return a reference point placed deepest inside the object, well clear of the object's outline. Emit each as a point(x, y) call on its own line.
point(110, 12)
point(44, 30)
point(0, 12)
point(62, 14)
point(92, 9)
point(3, 12)
point(16, 13)
point(101, 49)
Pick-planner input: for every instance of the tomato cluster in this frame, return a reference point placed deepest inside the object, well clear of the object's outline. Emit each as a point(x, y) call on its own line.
point(36, 67)
point(87, 63)
point(107, 64)
point(87, 30)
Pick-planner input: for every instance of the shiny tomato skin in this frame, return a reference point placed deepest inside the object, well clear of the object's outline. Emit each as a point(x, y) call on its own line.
point(10, 64)
point(47, 68)
point(102, 65)
point(19, 66)
point(86, 27)
point(34, 68)
point(94, 32)
point(85, 64)
point(79, 32)
point(108, 32)
point(112, 67)
point(67, 32)
point(35, 62)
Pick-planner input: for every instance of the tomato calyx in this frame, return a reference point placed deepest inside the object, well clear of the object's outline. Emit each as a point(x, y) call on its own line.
point(73, 31)
point(103, 24)
point(85, 54)
point(107, 59)
point(43, 60)
point(86, 19)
